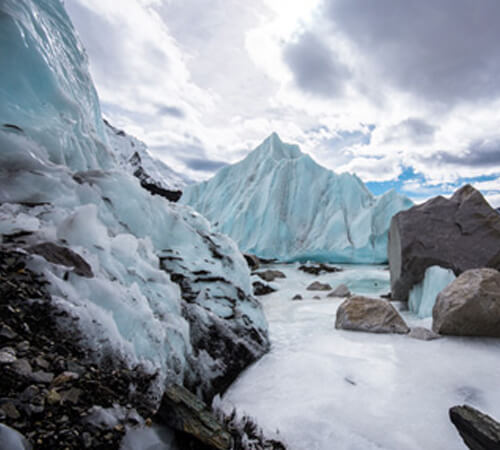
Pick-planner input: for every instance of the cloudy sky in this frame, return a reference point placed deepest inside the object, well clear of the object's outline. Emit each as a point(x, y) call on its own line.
point(404, 93)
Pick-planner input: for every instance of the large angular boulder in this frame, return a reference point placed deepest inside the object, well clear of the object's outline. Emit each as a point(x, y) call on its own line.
point(185, 412)
point(479, 431)
point(470, 305)
point(369, 314)
point(459, 233)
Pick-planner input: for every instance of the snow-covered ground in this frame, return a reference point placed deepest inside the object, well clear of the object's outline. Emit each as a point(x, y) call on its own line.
point(333, 389)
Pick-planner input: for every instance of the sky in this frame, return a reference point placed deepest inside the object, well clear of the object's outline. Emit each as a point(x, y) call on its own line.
point(406, 94)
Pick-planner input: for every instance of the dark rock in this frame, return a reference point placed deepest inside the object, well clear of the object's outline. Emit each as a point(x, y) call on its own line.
point(479, 431)
point(22, 368)
point(262, 288)
point(151, 185)
point(317, 286)
point(10, 410)
point(369, 314)
point(297, 297)
point(316, 269)
point(470, 305)
point(252, 261)
point(64, 256)
point(183, 411)
point(270, 275)
point(7, 332)
point(11, 126)
point(460, 233)
point(42, 377)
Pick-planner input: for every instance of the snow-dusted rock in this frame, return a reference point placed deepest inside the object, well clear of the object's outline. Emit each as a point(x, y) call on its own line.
point(279, 203)
point(459, 233)
point(369, 314)
point(470, 306)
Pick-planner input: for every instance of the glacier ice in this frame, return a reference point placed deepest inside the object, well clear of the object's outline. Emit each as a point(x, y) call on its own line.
point(279, 203)
point(319, 385)
point(162, 276)
point(423, 295)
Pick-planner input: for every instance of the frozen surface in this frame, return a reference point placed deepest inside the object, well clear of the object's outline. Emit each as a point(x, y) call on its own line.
point(423, 295)
point(278, 203)
point(334, 389)
point(62, 181)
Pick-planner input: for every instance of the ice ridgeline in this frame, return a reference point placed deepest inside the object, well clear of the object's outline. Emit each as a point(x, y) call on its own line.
point(279, 203)
point(62, 182)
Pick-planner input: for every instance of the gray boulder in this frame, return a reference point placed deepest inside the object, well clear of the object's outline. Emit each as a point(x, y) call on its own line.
point(10, 439)
point(369, 314)
point(459, 233)
point(470, 305)
point(340, 291)
point(270, 275)
point(479, 431)
point(317, 286)
point(423, 334)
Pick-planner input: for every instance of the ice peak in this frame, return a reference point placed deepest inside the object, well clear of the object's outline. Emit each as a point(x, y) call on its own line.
point(273, 147)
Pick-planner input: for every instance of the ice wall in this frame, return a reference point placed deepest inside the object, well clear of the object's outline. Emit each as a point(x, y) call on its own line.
point(423, 295)
point(279, 203)
point(159, 272)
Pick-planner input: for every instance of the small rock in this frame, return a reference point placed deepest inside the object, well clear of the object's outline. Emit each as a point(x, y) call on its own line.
point(42, 362)
point(42, 377)
point(65, 377)
point(7, 332)
point(37, 404)
point(270, 275)
point(22, 368)
point(297, 297)
point(316, 269)
point(261, 288)
point(423, 334)
point(6, 358)
point(23, 347)
point(53, 397)
point(73, 395)
point(317, 286)
point(340, 291)
point(11, 411)
point(86, 439)
point(29, 393)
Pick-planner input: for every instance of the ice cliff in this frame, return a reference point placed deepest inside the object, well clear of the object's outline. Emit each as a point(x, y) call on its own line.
point(279, 203)
point(159, 286)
